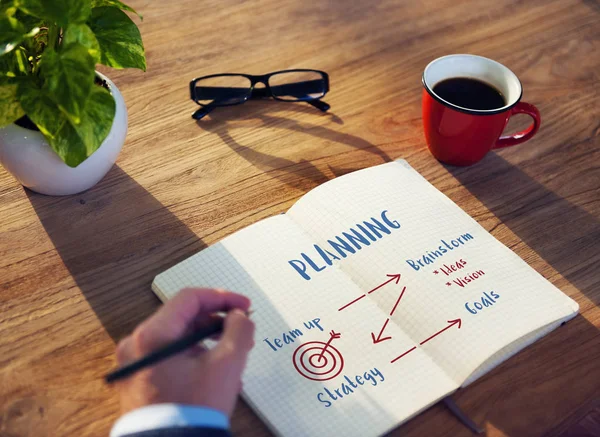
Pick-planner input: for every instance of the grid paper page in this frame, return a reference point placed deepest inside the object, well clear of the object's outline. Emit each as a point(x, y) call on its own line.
point(467, 296)
point(300, 377)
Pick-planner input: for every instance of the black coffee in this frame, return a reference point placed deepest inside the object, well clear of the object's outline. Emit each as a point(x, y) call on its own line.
point(469, 93)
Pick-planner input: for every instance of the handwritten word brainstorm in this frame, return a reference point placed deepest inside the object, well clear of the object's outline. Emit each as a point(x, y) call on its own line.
point(442, 249)
point(357, 237)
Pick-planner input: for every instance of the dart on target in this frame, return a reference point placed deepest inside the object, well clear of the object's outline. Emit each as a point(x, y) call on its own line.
point(319, 361)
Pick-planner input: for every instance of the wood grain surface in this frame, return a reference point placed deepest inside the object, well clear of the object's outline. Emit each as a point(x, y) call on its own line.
point(75, 272)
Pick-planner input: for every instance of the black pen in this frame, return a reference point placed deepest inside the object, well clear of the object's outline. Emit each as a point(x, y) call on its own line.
point(167, 351)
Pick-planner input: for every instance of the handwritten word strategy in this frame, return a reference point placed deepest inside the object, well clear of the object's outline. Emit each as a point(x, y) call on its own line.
point(328, 397)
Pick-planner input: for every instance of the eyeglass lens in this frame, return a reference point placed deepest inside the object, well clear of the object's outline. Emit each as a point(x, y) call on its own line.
point(222, 90)
point(297, 85)
point(231, 89)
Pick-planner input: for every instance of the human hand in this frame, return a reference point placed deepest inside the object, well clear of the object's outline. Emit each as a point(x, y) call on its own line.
point(209, 378)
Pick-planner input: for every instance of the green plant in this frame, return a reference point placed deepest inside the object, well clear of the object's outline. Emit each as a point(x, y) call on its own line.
point(48, 55)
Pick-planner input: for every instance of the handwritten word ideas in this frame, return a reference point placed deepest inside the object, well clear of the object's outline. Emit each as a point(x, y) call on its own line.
point(446, 247)
point(328, 396)
point(363, 234)
point(453, 267)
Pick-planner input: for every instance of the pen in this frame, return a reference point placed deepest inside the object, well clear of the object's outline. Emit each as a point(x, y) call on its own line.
point(166, 351)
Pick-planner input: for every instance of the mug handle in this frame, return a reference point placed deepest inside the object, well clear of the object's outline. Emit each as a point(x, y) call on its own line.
point(524, 135)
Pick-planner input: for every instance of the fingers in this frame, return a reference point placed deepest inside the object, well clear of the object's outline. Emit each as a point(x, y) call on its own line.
point(125, 353)
point(206, 320)
point(238, 336)
point(231, 354)
point(179, 315)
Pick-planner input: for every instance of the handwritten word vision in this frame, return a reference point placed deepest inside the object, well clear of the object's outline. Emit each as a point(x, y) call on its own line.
point(338, 247)
point(328, 397)
point(445, 247)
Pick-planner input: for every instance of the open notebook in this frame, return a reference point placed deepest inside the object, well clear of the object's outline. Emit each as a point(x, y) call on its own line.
point(374, 297)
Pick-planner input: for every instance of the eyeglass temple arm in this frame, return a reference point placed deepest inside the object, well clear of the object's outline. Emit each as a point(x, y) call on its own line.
point(202, 112)
point(319, 104)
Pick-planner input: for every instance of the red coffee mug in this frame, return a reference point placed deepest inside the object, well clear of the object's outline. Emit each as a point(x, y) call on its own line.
point(462, 136)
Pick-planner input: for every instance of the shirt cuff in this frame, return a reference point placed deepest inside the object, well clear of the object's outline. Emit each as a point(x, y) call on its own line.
point(168, 416)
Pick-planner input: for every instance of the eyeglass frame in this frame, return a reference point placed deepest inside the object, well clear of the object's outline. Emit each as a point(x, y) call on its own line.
point(261, 92)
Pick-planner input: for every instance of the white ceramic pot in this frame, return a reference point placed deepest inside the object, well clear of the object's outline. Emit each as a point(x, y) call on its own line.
point(28, 157)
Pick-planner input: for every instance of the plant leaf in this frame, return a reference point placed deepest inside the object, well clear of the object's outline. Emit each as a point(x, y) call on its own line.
point(116, 4)
point(61, 12)
point(69, 76)
point(14, 64)
point(40, 109)
point(7, 7)
point(29, 21)
point(10, 108)
point(82, 34)
point(75, 143)
point(119, 38)
point(72, 143)
point(12, 33)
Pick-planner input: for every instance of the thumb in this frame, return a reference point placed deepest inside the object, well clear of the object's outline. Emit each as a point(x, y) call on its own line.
point(238, 335)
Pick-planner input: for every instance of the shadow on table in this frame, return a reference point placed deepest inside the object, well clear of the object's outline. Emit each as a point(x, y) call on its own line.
point(594, 5)
point(114, 239)
point(562, 233)
point(301, 175)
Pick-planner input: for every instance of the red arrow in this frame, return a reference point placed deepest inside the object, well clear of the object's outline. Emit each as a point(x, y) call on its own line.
point(332, 336)
point(379, 339)
point(398, 301)
point(451, 324)
point(355, 300)
point(393, 277)
point(405, 353)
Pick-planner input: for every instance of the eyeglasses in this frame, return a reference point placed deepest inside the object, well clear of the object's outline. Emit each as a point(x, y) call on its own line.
point(233, 89)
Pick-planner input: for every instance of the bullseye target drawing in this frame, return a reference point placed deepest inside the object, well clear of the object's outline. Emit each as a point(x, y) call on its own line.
point(319, 361)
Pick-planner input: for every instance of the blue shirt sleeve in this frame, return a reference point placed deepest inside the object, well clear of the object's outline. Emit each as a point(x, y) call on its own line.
point(160, 416)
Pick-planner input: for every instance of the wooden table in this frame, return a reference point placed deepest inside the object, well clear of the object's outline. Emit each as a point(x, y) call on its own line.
point(75, 272)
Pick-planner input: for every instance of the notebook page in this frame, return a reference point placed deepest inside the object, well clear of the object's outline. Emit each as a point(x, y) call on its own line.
point(467, 295)
point(302, 378)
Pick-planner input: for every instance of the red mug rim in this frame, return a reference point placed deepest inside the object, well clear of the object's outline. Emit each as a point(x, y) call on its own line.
point(481, 59)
